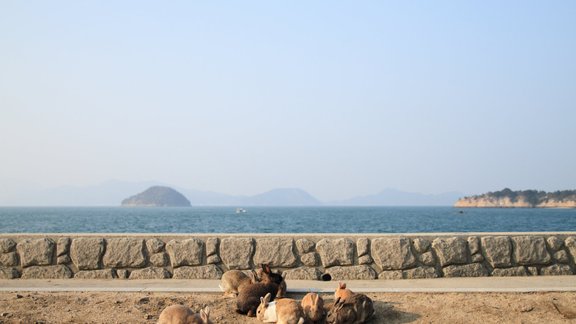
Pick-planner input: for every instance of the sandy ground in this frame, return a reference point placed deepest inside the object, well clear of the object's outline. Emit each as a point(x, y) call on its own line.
point(124, 307)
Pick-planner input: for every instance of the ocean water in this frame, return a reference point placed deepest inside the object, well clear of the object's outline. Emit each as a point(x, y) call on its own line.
point(282, 220)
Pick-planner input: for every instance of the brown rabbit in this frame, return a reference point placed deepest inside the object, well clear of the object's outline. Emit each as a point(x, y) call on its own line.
point(180, 314)
point(342, 292)
point(249, 295)
point(355, 310)
point(233, 280)
point(281, 289)
point(313, 306)
point(282, 311)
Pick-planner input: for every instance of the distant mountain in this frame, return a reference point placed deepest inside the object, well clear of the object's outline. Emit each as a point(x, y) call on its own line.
point(392, 197)
point(507, 198)
point(157, 196)
point(282, 197)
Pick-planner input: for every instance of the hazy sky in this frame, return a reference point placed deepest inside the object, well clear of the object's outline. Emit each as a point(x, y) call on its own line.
point(337, 98)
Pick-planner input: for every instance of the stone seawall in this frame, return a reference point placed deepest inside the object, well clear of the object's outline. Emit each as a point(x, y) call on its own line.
point(306, 256)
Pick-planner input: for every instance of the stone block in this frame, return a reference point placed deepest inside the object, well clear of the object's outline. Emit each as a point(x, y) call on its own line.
point(359, 272)
point(9, 259)
point(96, 274)
point(63, 259)
point(453, 250)
point(276, 252)
point(477, 258)
point(510, 272)
point(533, 271)
point(474, 244)
point(362, 246)
point(427, 258)
point(393, 253)
point(236, 253)
point(554, 243)
point(391, 275)
point(36, 251)
point(530, 250)
point(202, 272)
point(150, 273)
point(122, 273)
point(336, 252)
point(159, 259)
point(213, 259)
point(305, 245)
point(497, 251)
point(302, 273)
point(155, 245)
point(421, 245)
point(63, 246)
point(212, 246)
point(309, 259)
point(556, 270)
point(570, 243)
point(561, 256)
point(7, 245)
point(186, 252)
point(124, 253)
point(467, 270)
point(47, 272)
point(86, 252)
point(365, 259)
point(9, 273)
point(420, 273)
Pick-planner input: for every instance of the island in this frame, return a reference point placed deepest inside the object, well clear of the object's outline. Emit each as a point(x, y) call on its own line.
point(157, 196)
point(507, 198)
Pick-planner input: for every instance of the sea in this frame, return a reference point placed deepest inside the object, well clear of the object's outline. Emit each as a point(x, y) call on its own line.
point(283, 220)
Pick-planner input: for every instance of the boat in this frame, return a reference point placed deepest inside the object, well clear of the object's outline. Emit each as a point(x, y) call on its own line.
point(240, 211)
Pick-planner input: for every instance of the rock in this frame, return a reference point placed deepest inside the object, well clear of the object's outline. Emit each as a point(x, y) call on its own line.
point(157, 196)
point(302, 273)
point(556, 270)
point(510, 272)
point(450, 251)
point(122, 273)
point(62, 246)
point(212, 246)
point(530, 250)
point(533, 271)
point(427, 258)
point(365, 259)
point(124, 253)
point(362, 246)
point(498, 251)
point(420, 273)
point(474, 244)
point(359, 272)
point(467, 270)
point(391, 275)
point(47, 272)
point(63, 259)
point(393, 253)
point(155, 245)
point(276, 252)
point(203, 272)
point(96, 274)
point(186, 252)
point(570, 243)
point(159, 259)
point(236, 253)
point(421, 245)
point(213, 259)
point(9, 273)
point(305, 245)
point(150, 273)
point(7, 245)
point(36, 251)
point(336, 252)
point(309, 259)
point(477, 258)
point(86, 252)
point(9, 259)
point(554, 243)
point(561, 256)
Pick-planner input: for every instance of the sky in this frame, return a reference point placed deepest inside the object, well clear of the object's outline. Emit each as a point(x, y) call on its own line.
point(338, 98)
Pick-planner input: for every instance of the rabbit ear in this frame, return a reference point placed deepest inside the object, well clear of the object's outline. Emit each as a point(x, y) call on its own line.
point(315, 298)
point(342, 285)
point(336, 301)
point(205, 314)
point(267, 297)
point(262, 300)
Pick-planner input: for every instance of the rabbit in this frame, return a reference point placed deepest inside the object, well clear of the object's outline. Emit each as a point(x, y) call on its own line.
point(249, 295)
point(282, 311)
point(180, 314)
point(342, 292)
point(281, 289)
point(233, 280)
point(355, 310)
point(313, 306)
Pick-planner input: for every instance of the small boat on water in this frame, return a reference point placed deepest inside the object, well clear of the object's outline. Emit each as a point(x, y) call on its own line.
point(240, 211)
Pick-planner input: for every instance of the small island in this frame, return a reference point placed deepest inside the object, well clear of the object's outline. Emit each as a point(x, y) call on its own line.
point(520, 199)
point(157, 196)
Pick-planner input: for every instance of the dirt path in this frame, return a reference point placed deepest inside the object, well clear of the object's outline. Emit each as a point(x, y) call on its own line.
point(107, 307)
